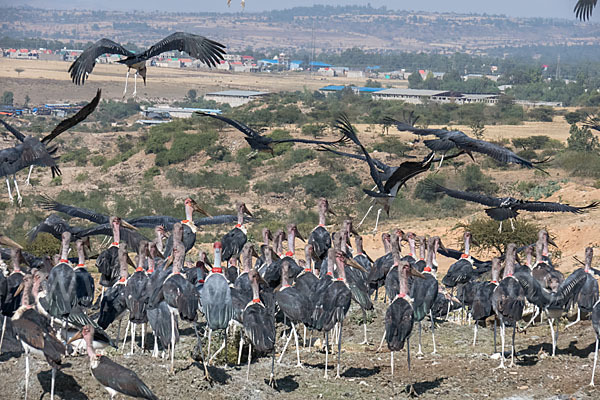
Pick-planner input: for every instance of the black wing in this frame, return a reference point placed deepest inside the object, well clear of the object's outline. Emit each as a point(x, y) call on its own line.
point(75, 119)
point(583, 9)
point(84, 64)
point(498, 153)
point(473, 197)
point(133, 238)
point(236, 124)
point(403, 126)
point(151, 221)
point(407, 170)
point(53, 225)
point(344, 125)
point(383, 167)
point(553, 207)
point(220, 219)
point(199, 47)
point(49, 204)
point(13, 130)
point(123, 380)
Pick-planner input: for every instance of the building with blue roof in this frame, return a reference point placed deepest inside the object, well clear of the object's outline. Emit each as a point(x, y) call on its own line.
point(356, 89)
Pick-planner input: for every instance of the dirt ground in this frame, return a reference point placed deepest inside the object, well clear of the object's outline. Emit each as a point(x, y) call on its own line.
point(457, 371)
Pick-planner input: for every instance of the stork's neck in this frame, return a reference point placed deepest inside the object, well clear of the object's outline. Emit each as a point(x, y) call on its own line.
point(330, 266)
point(539, 249)
point(15, 263)
point(322, 212)
point(151, 263)
point(255, 291)
point(429, 261)
point(359, 246)
point(81, 255)
point(422, 249)
point(411, 246)
point(116, 233)
point(159, 242)
point(266, 238)
point(588, 262)
point(25, 293)
point(247, 262)
point(217, 263)
point(284, 276)
point(291, 242)
point(467, 245)
point(240, 216)
point(268, 256)
point(141, 262)
point(403, 282)
point(386, 245)
point(343, 242)
point(189, 212)
point(509, 268)
point(529, 259)
point(90, 349)
point(64, 254)
point(341, 270)
point(495, 272)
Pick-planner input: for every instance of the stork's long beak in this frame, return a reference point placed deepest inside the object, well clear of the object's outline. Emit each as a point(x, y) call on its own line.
point(254, 253)
point(19, 289)
point(352, 263)
point(368, 257)
point(87, 245)
point(127, 225)
point(474, 242)
point(299, 236)
point(77, 336)
point(5, 240)
point(353, 231)
point(552, 242)
point(416, 273)
point(442, 246)
point(130, 262)
point(247, 211)
point(330, 211)
point(200, 210)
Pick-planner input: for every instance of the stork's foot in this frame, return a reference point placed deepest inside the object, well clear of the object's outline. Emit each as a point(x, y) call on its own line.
point(592, 383)
point(419, 353)
point(20, 201)
point(299, 365)
point(28, 183)
point(410, 390)
point(365, 342)
point(272, 382)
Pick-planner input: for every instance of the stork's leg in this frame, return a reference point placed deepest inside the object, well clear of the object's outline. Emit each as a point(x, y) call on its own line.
point(377, 221)
point(512, 350)
point(19, 198)
point(366, 341)
point(441, 160)
point(272, 376)
point(408, 352)
point(500, 228)
point(287, 342)
point(420, 352)
point(10, 196)
point(125, 337)
point(225, 344)
point(241, 347)
point(326, 352)
point(119, 329)
point(143, 336)
point(26, 374)
point(448, 312)
point(495, 349)
point(102, 298)
point(304, 338)
point(502, 338)
point(339, 349)
point(432, 331)
point(365, 217)
point(249, 358)
point(511, 224)
point(135, 84)
point(172, 342)
point(535, 314)
point(551, 322)
point(209, 342)
point(475, 334)
point(568, 325)
point(2, 336)
point(155, 349)
point(298, 363)
point(392, 362)
point(126, 79)
point(199, 344)
point(132, 337)
point(219, 349)
point(382, 339)
point(52, 383)
point(252, 154)
point(595, 360)
point(27, 182)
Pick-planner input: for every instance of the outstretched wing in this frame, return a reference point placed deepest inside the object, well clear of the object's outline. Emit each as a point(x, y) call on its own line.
point(498, 153)
point(378, 164)
point(407, 170)
point(583, 9)
point(404, 127)
point(84, 64)
point(553, 207)
point(16, 133)
point(132, 238)
point(344, 125)
point(199, 47)
point(49, 204)
point(473, 197)
point(75, 119)
point(245, 129)
point(343, 139)
point(220, 219)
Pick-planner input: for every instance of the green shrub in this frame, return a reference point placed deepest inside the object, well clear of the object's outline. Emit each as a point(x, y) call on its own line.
point(543, 114)
point(44, 244)
point(580, 163)
point(212, 180)
point(97, 160)
point(272, 186)
point(151, 172)
point(537, 142)
point(318, 184)
point(82, 177)
point(476, 181)
point(391, 145)
point(485, 232)
point(424, 190)
point(78, 155)
point(582, 139)
point(219, 153)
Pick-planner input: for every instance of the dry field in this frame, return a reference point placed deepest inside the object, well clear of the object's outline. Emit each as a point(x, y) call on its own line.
point(459, 371)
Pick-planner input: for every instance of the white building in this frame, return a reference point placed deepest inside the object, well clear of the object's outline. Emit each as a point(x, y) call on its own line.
point(235, 98)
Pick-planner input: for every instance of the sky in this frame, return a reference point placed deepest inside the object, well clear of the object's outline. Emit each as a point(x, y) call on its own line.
point(517, 8)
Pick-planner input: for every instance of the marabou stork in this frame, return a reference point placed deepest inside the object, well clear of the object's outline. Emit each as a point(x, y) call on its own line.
point(137, 295)
point(216, 301)
point(503, 208)
point(272, 273)
point(32, 151)
point(508, 301)
point(114, 377)
point(36, 335)
point(234, 240)
point(392, 285)
point(85, 286)
point(307, 281)
point(381, 266)
point(114, 303)
point(206, 50)
point(399, 317)
point(596, 326)
point(588, 295)
point(259, 326)
point(319, 238)
point(361, 256)
point(482, 300)
point(424, 292)
point(259, 142)
point(420, 264)
point(62, 284)
point(10, 300)
point(295, 305)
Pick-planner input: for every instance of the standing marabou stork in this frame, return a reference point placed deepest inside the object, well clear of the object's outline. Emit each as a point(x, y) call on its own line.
point(114, 377)
point(114, 304)
point(189, 227)
point(596, 326)
point(10, 299)
point(319, 238)
point(381, 266)
point(234, 240)
point(36, 335)
point(137, 295)
point(272, 273)
point(62, 283)
point(424, 292)
point(85, 286)
point(295, 305)
point(216, 301)
point(588, 295)
point(482, 300)
point(259, 326)
point(399, 317)
point(508, 301)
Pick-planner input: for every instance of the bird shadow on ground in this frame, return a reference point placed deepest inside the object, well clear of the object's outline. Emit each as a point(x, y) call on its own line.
point(422, 387)
point(218, 375)
point(5, 356)
point(65, 386)
point(581, 353)
point(353, 372)
point(286, 384)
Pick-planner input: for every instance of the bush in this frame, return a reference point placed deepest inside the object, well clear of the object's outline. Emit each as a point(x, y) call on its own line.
point(185, 146)
point(476, 181)
point(582, 139)
point(485, 232)
point(214, 180)
point(424, 189)
point(392, 146)
point(97, 160)
point(543, 114)
point(219, 153)
point(580, 163)
point(78, 155)
point(43, 245)
point(151, 172)
point(318, 184)
point(82, 177)
point(272, 186)
point(537, 142)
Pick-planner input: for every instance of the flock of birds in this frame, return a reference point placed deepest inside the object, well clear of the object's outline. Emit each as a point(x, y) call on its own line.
point(50, 308)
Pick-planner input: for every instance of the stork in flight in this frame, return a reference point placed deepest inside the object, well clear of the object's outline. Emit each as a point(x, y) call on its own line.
point(199, 47)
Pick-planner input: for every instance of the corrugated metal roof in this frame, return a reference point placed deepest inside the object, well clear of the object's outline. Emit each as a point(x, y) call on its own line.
point(410, 92)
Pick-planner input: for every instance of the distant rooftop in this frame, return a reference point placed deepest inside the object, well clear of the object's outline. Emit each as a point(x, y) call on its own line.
point(237, 93)
point(338, 88)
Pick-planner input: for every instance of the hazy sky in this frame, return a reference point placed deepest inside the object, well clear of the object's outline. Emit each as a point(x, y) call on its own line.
point(519, 8)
